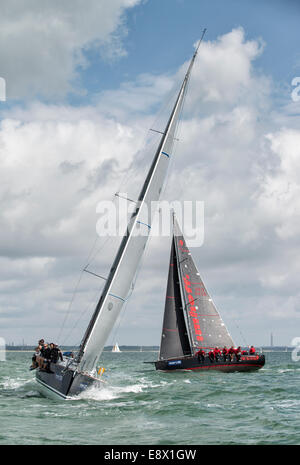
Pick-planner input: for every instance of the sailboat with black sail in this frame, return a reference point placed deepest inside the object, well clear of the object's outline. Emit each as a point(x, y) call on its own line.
point(74, 375)
point(192, 326)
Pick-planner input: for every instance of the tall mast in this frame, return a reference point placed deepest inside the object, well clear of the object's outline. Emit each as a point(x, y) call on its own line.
point(132, 245)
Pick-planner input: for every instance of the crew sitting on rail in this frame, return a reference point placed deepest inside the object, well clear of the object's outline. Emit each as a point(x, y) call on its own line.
point(217, 353)
point(55, 353)
point(230, 353)
point(252, 350)
point(211, 356)
point(44, 355)
point(201, 355)
point(237, 353)
point(224, 352)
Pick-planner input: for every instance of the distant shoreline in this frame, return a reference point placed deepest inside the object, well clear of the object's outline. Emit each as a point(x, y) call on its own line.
point(144, 349)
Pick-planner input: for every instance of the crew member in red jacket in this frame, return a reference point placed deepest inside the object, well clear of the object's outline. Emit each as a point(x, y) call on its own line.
point(224, 352)
point(217, 353)
point(230, 353)
point(237, 353)
point(211, 356)
point(252, 350)
point(201, 355)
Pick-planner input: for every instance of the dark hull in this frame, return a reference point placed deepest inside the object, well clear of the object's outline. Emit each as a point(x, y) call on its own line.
point(246, 363)
point(63, 382)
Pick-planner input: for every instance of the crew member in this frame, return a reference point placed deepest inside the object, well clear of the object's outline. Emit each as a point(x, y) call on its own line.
point(252, 350)
point(55, 353)
point(237, 353)
point(201, 355)
point(230, 353)
point(217, 353)
point(211, 356)
point(46, 353)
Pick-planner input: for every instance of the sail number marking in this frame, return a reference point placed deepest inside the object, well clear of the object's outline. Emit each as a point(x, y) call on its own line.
point(192, 310)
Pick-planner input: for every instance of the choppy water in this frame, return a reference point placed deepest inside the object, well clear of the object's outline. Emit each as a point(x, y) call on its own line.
point(142, 406)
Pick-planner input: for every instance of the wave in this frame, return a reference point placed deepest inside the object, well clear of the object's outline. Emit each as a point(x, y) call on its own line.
point(110, 392)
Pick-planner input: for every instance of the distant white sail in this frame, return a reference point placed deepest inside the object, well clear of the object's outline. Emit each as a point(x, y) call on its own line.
point(116, 348)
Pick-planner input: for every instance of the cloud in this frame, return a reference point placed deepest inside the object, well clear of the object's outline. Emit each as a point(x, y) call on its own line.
point(44, 43)
point(280, 195)
point(59, 161)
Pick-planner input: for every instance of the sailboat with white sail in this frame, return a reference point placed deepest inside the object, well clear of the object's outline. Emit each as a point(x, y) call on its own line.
point(116, 348)
point(74, 375)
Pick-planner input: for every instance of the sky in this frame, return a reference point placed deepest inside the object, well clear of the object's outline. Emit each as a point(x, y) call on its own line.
point(85, 80)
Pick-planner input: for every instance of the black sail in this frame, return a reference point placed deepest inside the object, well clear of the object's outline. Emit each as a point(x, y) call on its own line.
point(174, 338)
point(205, 325)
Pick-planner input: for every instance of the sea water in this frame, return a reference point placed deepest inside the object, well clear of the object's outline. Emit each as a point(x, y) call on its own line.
point(141, 406)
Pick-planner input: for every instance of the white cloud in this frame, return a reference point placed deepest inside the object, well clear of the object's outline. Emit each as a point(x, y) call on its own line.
point(43, 43)
point(281, 190)
point(59, 161)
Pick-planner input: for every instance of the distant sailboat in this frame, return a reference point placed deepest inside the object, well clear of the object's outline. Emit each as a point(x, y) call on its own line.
point(116, 348)
point(74, 375)
point(191, 321)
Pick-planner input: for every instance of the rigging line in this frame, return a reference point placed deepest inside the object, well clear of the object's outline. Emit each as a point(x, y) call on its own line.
point(246, 343)
point(74, 293)
point(82, 314)
point(69, 307)
point(103, 243)
point(146, 147)
point(183, 108)
point(169, 99)
point(131, 170)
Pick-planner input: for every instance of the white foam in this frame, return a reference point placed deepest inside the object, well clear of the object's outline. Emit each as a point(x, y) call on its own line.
point(11, 383)
point(109, 392)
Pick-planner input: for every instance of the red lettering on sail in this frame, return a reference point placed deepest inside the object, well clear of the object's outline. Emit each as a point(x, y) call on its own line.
point(187, 283)
point(200, 291)
point(192, 309)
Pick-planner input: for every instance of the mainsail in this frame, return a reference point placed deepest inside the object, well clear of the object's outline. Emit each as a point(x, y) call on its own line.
point(126, 262)
point(205, 326)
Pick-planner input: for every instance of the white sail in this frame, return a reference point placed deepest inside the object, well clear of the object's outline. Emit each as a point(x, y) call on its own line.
point(131, 249)
point(116, 348)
